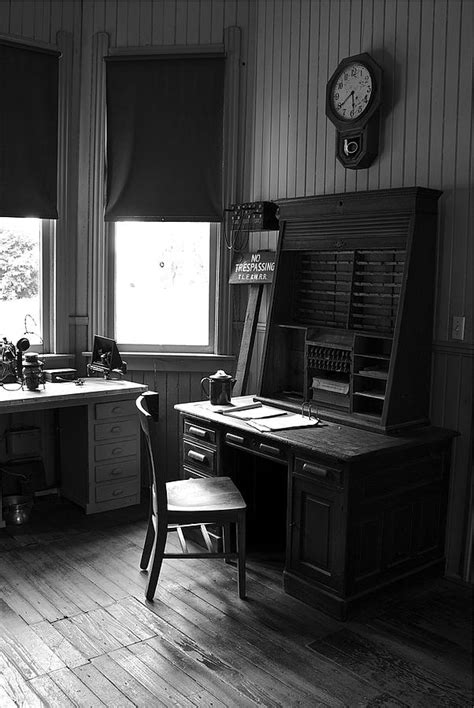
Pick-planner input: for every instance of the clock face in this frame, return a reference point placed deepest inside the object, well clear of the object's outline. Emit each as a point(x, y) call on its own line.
point(351, 92)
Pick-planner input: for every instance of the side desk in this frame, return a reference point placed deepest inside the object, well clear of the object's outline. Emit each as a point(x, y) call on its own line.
point(363, 509)
point(98, 439)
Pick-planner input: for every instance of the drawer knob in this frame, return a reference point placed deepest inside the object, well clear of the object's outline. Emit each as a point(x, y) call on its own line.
point(116, 471)
point(198, 456)
point(117, 451)
point(115, 429)
point(230, 437)
point(198, 432)
point(117, 492)
point(312, 469)
point(117, 409)
point(269, 449)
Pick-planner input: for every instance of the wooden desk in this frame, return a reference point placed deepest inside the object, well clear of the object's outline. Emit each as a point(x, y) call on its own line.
point(363, 509)
point(98, 438)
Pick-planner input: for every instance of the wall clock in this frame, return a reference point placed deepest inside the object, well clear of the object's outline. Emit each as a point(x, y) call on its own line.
point(353, 99)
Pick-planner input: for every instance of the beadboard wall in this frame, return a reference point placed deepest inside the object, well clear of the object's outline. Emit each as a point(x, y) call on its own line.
point(425, 49)
point(289, 48)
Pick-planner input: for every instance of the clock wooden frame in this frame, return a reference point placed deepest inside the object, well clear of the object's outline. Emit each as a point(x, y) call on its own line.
point(357, 138)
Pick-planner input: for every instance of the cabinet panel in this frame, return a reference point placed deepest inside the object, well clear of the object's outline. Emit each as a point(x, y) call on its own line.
point(316, 531)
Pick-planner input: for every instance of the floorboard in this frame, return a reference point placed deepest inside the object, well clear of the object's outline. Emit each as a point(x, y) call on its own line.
point(76, 629)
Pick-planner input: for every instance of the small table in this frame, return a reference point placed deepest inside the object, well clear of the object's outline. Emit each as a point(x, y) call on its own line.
point(97, 435)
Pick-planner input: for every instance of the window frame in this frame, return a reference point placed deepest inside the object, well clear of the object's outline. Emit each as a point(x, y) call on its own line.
point(98, 230)
point(214, 253)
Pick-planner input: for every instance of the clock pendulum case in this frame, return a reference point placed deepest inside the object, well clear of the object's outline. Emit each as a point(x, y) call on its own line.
point(353, 99)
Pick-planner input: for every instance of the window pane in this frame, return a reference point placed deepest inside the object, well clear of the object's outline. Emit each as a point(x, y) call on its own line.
point(162, 283)
point(20, 287)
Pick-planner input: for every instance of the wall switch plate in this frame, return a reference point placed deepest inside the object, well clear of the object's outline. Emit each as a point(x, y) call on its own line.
point(458, 328)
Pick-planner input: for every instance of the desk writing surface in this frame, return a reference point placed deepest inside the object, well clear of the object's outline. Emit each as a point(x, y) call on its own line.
point(57, 395)
point(341, 442)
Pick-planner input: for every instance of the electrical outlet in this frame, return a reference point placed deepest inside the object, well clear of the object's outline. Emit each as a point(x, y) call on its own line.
point(458, 328)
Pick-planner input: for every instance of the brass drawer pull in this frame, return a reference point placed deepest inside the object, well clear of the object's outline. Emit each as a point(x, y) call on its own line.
point(269, 449)
point(312, 469)
point(116, 471)
point(230, 437)
point(117, 409)
point(198, 432)
point(115, 429)
point(117, 451)
point(198, 457)
point(117, 492)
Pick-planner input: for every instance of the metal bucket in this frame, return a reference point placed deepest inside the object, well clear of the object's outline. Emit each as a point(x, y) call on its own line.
point(17, 508)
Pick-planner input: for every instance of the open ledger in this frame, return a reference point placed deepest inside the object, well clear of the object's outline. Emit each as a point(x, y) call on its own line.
point(284, 421)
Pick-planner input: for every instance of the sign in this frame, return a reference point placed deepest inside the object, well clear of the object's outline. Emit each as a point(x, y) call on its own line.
point(253, 268)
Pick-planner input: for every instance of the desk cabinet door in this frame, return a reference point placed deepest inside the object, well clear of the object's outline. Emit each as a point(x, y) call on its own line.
point(316, 533)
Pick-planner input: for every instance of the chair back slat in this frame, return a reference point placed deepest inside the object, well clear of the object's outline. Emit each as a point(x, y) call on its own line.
point(148, 412)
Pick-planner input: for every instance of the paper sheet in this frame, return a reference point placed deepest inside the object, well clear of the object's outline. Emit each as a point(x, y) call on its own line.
point(283, 422)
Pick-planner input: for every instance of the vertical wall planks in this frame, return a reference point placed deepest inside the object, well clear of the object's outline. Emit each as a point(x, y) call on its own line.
point(425, 87)
point(302, 123)
point(412, 88)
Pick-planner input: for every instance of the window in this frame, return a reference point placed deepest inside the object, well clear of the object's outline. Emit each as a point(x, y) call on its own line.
point(164, 285)
point(24, 279)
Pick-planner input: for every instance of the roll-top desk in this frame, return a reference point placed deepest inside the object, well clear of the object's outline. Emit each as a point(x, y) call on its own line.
point(362, 498)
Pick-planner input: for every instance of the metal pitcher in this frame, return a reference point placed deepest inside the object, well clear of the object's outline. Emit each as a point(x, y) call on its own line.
point(219, 388)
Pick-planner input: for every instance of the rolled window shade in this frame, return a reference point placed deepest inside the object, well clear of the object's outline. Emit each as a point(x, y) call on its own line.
point(28, 131)
point(164, 138)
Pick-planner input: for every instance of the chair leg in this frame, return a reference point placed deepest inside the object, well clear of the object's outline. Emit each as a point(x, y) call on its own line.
point(226, 541)
point(241, 556)
point(147, 548)
point(157, 560)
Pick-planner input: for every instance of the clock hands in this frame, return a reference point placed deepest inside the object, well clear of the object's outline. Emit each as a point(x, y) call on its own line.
point(350, 95)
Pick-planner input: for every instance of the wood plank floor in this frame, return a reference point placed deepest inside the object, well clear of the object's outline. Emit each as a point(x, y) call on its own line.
point(76, 630)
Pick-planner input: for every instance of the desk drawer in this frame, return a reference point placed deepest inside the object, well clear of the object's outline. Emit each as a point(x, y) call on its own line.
point(318, 472)
point(115, 409)
point(120, 448)
point(199, 457)
point(256, 444)
point(117, 490)
point(115, 429)
point(199, 432)
point(117, 470)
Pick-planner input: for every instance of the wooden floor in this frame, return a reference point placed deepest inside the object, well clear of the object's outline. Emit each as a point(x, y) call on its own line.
point(76, 629)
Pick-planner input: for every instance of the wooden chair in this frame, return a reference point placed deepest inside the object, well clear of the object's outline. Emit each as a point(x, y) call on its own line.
point(187, 502)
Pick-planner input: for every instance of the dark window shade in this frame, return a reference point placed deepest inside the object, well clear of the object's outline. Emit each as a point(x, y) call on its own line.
point(28, 132)
point(164, 138)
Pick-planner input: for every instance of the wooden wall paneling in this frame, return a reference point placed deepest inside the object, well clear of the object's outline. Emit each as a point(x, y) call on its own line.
point(4, 18)
point(425, 87)
point(16, 18)
point(145, 17)
point(294, 88)
point(275, 57)
point(267, 117)
point(259, 69)
point(333, 61)
point(217, 18)
point(462, 295)
point(412, 89)
point(344, 31)
point(372, 35)
point(246, 18)
point(313, 99)
point(382, 46)
point(283, 78)
point(354, 47)
point(325, 136)
point(205, 12)
point(303, 118)
point(169, 22)
point(181, 22)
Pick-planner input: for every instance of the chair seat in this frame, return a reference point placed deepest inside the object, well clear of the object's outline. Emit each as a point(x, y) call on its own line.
point(217, 494)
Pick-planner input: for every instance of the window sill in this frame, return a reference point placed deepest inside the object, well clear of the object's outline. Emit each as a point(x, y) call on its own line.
point(167, 361)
